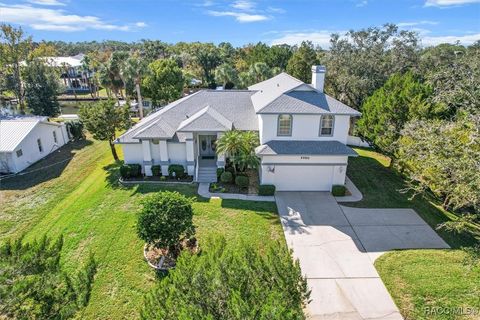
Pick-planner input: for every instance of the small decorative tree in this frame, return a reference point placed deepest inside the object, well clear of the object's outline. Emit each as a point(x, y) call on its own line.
point(240, 146)
point(165, 220)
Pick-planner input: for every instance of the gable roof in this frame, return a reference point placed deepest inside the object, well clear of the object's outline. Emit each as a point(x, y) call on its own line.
point(304, 147)
point(206, 119)
point(286, 94)
point(13, 130)
point(235, 106)
point(307, 102)
point(270, 89)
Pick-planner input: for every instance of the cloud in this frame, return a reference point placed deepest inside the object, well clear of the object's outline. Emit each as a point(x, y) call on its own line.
point(243, 5)
point(47, 2)
point(362, 3)
point(416, 23)
point(58, 20)
point(465, 39)
point(448, 3)
point(239, 16)
point(276, 10)
point(320, 37)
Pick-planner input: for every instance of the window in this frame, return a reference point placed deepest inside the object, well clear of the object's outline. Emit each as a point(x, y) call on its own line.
point(326, 125)
point(19, 153)
point(54, 136)
point(284, 125)
point(40, 148)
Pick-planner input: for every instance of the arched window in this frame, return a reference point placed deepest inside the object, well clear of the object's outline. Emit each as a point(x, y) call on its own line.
point(326, 125)
point(284, 126)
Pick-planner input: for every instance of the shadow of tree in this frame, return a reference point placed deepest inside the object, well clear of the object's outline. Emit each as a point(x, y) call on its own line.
point(45, 169)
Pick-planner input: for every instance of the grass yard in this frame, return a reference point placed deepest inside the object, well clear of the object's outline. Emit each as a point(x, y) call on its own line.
point(418, 280)
point(80, 198)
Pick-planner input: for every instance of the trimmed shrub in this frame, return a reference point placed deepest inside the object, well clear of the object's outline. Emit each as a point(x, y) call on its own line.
point(241, 181)
point(178, 169)
point(338, 190)
point(75, 129)
point(230, 169)
point(266, 190)
point(156, 171)
point(166, 219)
point(226, 177)
point(128, 171)
point(219, 172)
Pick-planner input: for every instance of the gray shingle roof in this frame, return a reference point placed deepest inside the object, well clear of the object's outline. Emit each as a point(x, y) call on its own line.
point(307, 102)
point(159, 128)
point(206, 119)
point(234, 105)
point(302, 147)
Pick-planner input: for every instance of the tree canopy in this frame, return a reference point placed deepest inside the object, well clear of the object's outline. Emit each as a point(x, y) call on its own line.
point(163, 82)
point(230, 282)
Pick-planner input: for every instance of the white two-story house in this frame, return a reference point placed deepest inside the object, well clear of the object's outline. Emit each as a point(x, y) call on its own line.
point(303, 133)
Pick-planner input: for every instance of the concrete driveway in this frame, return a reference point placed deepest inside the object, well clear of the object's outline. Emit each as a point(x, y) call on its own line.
point(337, 245)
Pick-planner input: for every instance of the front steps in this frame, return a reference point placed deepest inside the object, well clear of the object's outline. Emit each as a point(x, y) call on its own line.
point(207, 174)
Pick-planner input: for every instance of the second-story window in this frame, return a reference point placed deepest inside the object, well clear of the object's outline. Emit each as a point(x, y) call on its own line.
point(284, 125)
point(326, 125)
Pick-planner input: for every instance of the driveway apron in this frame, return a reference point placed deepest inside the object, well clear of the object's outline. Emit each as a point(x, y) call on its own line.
point(336, 247)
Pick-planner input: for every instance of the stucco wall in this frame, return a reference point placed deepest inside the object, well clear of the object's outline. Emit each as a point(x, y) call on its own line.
point(177, 153)
point(132, 153)
point(29, 145)
point(304, 127)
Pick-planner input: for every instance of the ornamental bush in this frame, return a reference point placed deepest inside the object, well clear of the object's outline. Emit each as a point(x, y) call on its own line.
point(266, 190)
point(226, 177)
point(165, 220)
point(338, 190)
point(219, 172)
point(234, 281)
point(242, 181)
point(178, 169)
point(128, 171)
point(156, 171)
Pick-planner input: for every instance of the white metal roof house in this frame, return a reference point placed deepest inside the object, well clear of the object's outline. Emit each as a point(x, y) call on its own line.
point(303, 132)
point(25, 140)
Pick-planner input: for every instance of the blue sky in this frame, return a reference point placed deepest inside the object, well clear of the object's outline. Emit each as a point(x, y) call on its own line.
point(239, 22)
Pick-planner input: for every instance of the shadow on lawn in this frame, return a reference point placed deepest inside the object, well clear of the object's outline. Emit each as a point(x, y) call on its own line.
point(45, 169)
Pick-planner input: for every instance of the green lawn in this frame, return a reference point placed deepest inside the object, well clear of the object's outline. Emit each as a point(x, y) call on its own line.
point(81, 199)
point(417, 279)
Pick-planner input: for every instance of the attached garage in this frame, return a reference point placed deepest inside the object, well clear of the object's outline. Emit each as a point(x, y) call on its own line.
point(303, 165)
point(303, 178)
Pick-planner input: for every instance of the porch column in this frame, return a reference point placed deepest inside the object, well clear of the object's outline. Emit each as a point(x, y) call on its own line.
point(190, 154)
point(164, 159)
point(147, 157)
point(220, 156)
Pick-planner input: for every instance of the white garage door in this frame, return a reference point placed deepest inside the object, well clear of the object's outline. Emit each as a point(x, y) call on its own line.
point(303, 178)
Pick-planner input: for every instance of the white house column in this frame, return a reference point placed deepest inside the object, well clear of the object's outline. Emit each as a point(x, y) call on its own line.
point(190, 153)
point(147, 157)
point(164, 160)
point(220, 156)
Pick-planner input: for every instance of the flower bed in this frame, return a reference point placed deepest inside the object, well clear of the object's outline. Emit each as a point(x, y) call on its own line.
point(160, 259)
point(232, 187)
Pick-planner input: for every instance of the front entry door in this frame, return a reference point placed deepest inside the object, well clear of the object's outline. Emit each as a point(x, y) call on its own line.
point(207, 146)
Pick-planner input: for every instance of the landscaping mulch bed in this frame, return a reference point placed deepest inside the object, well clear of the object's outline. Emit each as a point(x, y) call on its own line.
point(160, 179)
point(221, 187)
point(154, 255)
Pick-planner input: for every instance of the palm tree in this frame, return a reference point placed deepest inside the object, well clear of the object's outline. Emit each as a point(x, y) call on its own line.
point(260, 71)
point(230, 143)
point(225, 73)
point(134, 68)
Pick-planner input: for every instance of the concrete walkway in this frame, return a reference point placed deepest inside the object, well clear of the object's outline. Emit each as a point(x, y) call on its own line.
point(203, 190)
point(336, 247)
point(355, 195)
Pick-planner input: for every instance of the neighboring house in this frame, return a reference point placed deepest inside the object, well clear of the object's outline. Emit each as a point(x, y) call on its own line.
point(25, 140)
point(72, 74)
point(303, 132)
